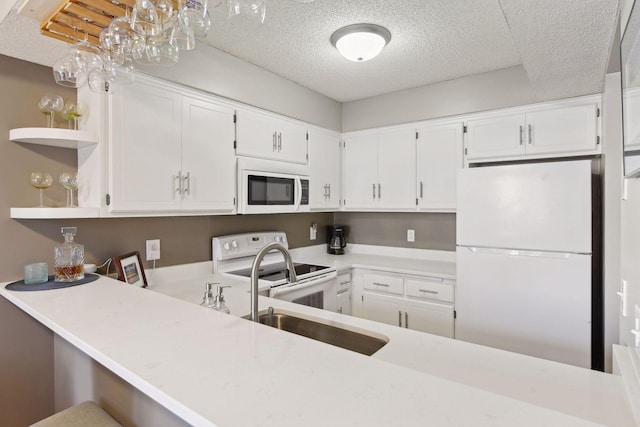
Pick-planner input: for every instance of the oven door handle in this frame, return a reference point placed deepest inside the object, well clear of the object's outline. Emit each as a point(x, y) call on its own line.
point(292, 287)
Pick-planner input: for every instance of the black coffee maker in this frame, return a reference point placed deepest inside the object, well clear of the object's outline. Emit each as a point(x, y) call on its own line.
point(336, 242)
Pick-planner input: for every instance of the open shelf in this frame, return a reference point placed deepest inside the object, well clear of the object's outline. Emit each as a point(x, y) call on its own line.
point(54, 137)
point(54, 213)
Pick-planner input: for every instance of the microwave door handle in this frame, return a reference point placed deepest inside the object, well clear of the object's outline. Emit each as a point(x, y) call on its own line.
point(298, 193)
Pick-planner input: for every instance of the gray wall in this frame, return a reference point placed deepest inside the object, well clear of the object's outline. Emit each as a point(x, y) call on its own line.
point(497, 89)
point(436, 231)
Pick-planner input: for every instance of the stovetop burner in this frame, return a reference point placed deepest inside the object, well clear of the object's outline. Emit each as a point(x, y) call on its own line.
point(278, 271)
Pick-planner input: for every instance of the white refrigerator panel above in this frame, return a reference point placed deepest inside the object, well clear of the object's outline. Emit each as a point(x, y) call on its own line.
point(537, 304)
point(536, 206)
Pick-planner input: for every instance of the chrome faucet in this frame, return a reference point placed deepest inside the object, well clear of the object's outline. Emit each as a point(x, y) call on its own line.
point(256, 267)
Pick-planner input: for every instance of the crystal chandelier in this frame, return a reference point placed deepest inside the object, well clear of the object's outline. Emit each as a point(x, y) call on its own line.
point(147, 32)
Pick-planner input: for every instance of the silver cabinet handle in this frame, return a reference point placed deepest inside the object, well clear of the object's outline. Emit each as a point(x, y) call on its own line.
point(381, 284)
point(187, 181)
point(406, 320)
point(421, 190)
point(521, 130)
point(275, 144)
point(179, 179)
point(344, 283)
point(378, 190)
point(329, 185)
point(374, 191)
point(340, 310)
point(530, 137)
point(429, 291)
point(400, 318)
point(280, 141)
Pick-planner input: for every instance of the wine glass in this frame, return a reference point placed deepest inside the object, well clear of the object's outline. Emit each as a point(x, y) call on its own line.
point(41, 180)
point(71, 112)
point(69, 181)
point(50, 104)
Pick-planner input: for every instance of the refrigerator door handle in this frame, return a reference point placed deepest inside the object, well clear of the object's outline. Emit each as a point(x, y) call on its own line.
point(521, 252)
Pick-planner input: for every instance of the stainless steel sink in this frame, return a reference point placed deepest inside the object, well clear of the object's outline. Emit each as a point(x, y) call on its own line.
point(326, 331)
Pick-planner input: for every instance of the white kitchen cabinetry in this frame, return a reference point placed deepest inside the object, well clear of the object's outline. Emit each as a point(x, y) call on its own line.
point(170, 152)
point(439, 153)
point(421, 303)
point(164, 150)
point(380, 170)
point(324, 170)
point(271, 137)
point(544, 132)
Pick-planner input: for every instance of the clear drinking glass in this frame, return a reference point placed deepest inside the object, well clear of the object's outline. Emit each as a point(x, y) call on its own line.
point(49, 105)
point(71, 113)
point(69, 181)
point(41, 181)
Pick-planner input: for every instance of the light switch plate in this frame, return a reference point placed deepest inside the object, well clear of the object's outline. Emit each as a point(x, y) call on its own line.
point(411, 235)
point(153, 249)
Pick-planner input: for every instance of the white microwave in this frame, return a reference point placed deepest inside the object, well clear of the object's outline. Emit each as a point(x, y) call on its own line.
point(272, 187)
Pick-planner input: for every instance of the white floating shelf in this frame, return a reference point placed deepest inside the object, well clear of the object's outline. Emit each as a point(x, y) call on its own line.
point(55, 137)
point(54, 213)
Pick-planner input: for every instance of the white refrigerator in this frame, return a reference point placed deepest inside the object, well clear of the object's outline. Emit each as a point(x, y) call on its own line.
point(524, 252)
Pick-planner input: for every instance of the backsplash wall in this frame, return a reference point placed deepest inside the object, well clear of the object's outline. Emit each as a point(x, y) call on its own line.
point(436, 231)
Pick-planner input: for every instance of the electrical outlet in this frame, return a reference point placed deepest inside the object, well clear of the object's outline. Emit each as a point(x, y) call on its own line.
point(411, 235)
point(313, 231)
point(153, 249)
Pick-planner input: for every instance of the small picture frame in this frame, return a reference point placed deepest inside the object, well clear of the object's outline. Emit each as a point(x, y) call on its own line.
point(130, 270)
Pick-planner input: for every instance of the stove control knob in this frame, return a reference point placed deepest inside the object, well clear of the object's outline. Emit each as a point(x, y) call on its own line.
point(234, 244)
point(276, 239)
point(226, 246)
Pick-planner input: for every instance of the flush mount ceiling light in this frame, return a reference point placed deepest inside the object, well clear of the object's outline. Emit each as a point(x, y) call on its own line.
point(360, 42)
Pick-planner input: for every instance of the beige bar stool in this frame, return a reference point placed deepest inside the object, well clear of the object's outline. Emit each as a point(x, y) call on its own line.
point(82, 415)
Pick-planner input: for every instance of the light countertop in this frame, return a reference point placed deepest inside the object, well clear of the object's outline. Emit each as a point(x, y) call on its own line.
point(213, 369)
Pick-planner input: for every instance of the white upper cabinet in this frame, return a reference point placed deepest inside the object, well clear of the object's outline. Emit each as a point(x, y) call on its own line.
point(493, 137)
point(566, 130)
point(267, 136)
point(169, 151)
point(145, 156)
point(439, 156)
point(379, 170)
point(324, 170)
point(208, 157)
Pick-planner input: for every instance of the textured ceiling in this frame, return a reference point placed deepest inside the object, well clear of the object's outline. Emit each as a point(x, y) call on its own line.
point(563, 45)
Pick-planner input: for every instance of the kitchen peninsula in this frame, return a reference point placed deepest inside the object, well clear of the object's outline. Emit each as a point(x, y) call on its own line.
point(212, 369)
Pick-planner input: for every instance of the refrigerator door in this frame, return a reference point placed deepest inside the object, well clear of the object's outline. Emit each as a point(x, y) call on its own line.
point(534, 303)
point(537, 206)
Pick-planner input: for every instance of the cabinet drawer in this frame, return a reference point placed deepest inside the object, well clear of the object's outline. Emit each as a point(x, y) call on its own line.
point(344, 282)
point(432, 290)
point(392, 285)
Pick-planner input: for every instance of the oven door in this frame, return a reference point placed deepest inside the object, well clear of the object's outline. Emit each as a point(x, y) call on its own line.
point(319, 292)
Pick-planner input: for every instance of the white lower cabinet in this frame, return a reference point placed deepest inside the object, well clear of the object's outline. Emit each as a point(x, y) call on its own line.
point(420, 303)
point(344, 300)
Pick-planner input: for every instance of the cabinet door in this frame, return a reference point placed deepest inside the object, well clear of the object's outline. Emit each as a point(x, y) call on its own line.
point(208, 158)
point(360, 169)
point(291, 142)
point(343, 301)
point(496, 137)
point(145, 148)
point(384, 309)
point(324, 170)
point(397, 169)
point(428, 317)
point(439, 156)
point(563, 130)
point(632, 127)
point(256, 135)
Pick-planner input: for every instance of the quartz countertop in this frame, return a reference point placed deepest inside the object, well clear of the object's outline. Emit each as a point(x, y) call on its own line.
point(213, 369)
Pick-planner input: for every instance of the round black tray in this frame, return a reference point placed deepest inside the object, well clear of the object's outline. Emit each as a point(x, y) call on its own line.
point(50, 284)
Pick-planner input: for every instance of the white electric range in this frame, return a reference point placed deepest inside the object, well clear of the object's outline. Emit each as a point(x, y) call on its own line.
point(317, 285)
